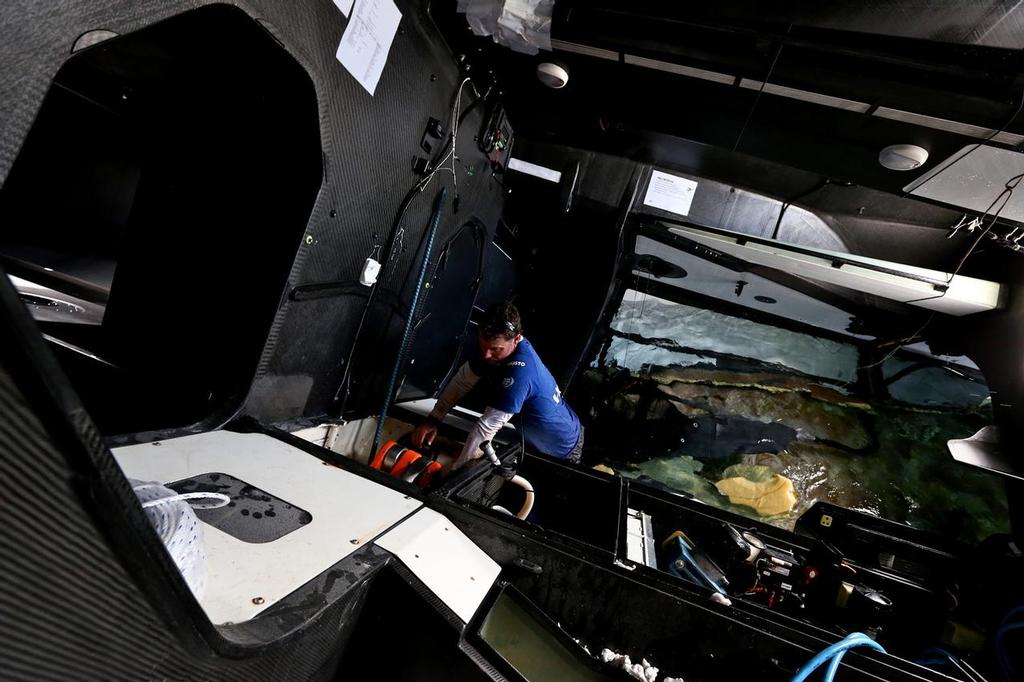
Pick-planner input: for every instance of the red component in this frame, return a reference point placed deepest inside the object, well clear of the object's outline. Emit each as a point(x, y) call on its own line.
point(404, 460)
point(378, 460)
point(424, 479)
point(400, 458)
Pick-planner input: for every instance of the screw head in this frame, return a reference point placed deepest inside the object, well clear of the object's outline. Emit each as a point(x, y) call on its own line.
point(309, 239)
point(257, 600)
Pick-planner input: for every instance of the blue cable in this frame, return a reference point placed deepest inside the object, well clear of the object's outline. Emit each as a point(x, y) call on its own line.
point(833, 666)
point(1006, 625)
point(834, 654)
point(1004, 661)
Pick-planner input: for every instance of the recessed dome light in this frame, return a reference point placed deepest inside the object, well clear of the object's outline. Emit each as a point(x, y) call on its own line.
point(903, 157)
point(552, 75)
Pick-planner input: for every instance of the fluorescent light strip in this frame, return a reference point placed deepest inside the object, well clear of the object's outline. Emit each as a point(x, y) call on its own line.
point(949, 126)
point(534, 170)
point(584, 50)
point(690, 71)
point(807, 96)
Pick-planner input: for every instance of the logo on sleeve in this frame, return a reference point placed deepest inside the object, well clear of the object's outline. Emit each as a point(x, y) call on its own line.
point(508, 381)
point(517, 363)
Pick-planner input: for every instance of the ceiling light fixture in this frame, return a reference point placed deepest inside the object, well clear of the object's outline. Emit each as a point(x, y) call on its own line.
point(903, 157)
point(553, 75)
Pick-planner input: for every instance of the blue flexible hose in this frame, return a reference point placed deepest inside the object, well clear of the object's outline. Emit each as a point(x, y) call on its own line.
point(833, 666)
point(1004, 660)
point(834, 652)
point(435, 219)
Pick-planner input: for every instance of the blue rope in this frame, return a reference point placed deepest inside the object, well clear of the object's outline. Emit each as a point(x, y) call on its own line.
point(435, 219)
point(1004, 659)
point(834, 655)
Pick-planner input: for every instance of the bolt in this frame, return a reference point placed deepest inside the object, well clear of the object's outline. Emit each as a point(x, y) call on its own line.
point(354, 541)
point(309, 239)
point(257, 600)
point(333, 214)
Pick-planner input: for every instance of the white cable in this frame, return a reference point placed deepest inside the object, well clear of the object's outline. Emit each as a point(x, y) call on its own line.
point(218, 500)
point(440, 165)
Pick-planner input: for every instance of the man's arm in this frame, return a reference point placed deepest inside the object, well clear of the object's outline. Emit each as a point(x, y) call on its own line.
point(485, 429)
point(461, 384)
point(464, 380)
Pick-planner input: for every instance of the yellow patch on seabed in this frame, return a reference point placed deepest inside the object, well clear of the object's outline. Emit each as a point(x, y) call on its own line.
point(767, 498)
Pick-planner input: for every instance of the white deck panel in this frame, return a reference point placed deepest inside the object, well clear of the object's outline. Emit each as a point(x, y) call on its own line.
point(344, 507)
point(447, 562)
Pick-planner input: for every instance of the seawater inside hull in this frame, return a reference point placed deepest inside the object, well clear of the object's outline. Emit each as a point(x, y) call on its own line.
point(683, 425)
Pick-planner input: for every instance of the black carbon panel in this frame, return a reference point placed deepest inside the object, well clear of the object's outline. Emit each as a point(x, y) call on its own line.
point(368, 146)
point(71, 610)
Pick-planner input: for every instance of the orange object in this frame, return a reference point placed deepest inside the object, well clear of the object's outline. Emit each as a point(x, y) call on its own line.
point(395, 460)
point(378, 460)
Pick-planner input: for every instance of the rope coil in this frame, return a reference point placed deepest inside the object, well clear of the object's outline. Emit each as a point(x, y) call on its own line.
point(174, 520)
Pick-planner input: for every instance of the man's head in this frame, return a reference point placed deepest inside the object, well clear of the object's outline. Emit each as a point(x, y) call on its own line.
point(500, 332)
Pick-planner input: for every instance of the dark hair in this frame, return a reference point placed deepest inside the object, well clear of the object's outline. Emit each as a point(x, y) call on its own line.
point(501, 319)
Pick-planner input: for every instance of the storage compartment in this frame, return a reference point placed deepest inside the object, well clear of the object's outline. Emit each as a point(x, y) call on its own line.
point(567, 500)
point(786, 573)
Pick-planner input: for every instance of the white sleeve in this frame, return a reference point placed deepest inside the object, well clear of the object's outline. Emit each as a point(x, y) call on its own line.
point(486, 427)
point(463, 381)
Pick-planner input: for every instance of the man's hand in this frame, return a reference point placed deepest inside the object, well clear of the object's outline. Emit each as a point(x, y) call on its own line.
point(425, 433)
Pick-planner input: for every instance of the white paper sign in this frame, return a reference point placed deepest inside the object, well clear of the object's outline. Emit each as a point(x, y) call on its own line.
point(367, 40)
point(535, 170)
point(344, 5)
point(670, 193)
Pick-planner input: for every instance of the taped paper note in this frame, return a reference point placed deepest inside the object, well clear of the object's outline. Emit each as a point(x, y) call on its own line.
point(670, 193)
point(367, 40)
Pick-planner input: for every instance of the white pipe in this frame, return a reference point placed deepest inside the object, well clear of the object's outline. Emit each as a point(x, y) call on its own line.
point(528, 502)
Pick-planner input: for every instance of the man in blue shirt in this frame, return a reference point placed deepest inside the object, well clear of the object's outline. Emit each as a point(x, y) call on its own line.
point(517, 383)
